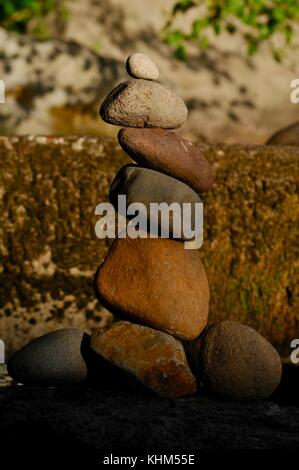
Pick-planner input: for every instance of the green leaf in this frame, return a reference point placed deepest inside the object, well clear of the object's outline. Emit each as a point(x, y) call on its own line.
point(278, 14)
point(197, 27)
point(181, 53)
point(173, 37)
point(183, 6)
point(217, 28)
point(204, 42)
point(259, 19)
point(288, 33)
point(16, 14)
point(265, 31)
point(252, 48)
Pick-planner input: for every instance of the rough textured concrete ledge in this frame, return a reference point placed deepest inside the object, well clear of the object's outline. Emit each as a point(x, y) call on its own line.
point(68, 422)
point(49, 188)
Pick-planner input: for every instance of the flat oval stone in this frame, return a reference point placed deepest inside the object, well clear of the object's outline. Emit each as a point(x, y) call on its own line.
point(142, 103)
point(169, 153)
point(141, 185)
point(141, 66)
point(155, 358)
point(156, 281)
point(237, 363)
point(56, 358)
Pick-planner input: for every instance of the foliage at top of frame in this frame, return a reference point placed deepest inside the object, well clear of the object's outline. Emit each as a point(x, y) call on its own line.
point(258, 21)
point(15, 15)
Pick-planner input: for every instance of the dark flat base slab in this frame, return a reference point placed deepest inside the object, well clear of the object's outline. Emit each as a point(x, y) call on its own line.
point(85, 421)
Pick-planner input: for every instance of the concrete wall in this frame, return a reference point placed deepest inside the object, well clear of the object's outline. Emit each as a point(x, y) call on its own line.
point(49, 188)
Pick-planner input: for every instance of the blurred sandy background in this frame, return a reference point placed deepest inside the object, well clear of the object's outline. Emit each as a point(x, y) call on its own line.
point(57, 86)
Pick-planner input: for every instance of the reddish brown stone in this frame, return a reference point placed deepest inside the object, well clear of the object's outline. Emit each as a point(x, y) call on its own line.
point(169, 153)
point(156, 359)
point(158, 282)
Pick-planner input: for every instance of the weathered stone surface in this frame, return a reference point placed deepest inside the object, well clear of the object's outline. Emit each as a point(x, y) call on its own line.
point(49, 188)
point(169, 153)
point(155, 358)
point(141, 185)
point(5, 379)
point(156, 281)
point(237, 363)
point(80, 423)
point(56, 358)
point(141, 66)
point(48, 250)
point(142, 103)
point(250, 239)
point(61, 101)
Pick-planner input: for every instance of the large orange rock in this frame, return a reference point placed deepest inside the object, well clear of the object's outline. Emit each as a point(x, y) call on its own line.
point(155, 358)
point(157, 282)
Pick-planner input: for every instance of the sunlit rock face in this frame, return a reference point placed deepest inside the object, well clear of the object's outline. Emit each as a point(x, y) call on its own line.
point(51, 86)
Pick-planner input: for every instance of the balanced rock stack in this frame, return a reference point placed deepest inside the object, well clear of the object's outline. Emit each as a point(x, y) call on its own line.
point(155, 282)
point(156, 288)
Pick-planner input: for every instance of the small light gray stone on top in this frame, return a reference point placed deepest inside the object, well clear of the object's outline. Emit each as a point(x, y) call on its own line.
point(141, 66)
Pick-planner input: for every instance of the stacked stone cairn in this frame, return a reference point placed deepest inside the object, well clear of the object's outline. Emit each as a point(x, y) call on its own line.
point(157, 289)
